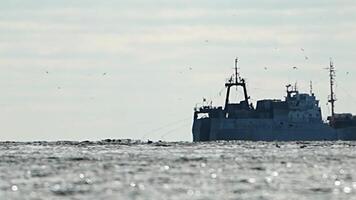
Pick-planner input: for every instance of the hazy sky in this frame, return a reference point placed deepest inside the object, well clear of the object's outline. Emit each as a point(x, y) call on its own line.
point(90, 70)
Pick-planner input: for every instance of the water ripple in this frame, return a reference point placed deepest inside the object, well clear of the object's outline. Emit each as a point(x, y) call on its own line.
point(133, 169)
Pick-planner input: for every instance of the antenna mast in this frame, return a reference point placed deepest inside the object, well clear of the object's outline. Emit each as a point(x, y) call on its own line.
point(236, 70)
point(332, 97)
point(239, 82)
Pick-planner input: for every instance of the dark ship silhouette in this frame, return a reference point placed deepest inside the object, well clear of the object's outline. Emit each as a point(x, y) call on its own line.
point(296, 118)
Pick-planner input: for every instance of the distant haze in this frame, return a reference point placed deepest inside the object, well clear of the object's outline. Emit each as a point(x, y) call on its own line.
point(89, 70)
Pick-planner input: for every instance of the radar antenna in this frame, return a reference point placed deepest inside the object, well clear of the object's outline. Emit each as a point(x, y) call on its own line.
point(332, 97)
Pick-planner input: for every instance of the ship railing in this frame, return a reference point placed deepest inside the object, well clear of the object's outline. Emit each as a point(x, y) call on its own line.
point(205, 108)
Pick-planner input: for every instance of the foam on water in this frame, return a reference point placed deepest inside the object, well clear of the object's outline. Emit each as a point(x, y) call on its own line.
point(126, 169)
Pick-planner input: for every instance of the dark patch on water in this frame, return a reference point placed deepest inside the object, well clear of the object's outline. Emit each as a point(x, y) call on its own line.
point(258, 168)
point(192, 159)
point(322, 190)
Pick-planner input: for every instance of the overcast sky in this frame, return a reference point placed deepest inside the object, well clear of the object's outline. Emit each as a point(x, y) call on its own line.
point(90, 70)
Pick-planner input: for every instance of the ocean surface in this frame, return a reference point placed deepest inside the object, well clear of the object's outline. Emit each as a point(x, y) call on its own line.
point(128, 169)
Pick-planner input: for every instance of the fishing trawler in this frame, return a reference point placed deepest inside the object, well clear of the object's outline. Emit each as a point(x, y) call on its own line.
point(296, 118)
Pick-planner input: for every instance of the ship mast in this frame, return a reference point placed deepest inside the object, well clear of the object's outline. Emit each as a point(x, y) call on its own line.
point(239, 82)
point(332, 97)
point(236, 71)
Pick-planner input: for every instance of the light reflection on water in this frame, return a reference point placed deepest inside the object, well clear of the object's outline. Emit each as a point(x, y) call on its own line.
point(127, 169)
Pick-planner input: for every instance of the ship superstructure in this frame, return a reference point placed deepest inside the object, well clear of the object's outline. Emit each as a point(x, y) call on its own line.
point(296, 118)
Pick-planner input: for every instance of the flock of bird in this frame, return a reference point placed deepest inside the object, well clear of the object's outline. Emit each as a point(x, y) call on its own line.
point(265, 68)
point(58, 87)
point(294, 67)
point(305, 57)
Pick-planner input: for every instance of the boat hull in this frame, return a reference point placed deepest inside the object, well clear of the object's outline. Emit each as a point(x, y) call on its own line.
point(267, 130)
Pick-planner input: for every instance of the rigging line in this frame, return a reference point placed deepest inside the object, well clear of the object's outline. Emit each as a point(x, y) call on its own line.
point(172, 130)
point(218, 95)
point(154, 131)
point(220, 92)
point(347, 93)
point(147, 120)
point(264, 89)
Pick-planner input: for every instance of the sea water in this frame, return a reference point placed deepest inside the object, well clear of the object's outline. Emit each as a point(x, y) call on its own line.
point(128, 169)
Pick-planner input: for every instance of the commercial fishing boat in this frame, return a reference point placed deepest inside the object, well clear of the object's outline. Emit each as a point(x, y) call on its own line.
point(296, 118)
